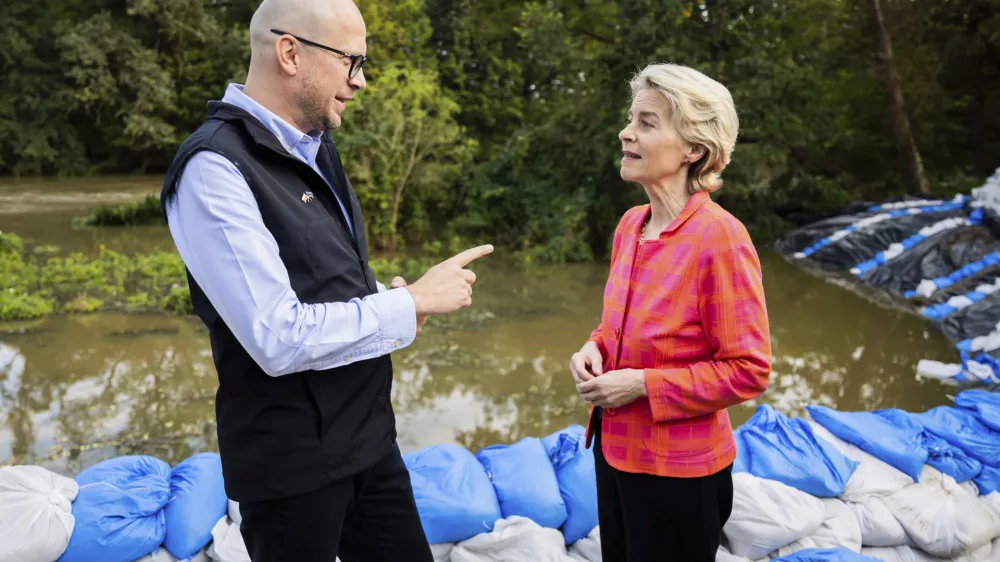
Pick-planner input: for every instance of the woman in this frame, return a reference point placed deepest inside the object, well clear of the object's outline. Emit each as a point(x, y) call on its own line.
point(683, 335)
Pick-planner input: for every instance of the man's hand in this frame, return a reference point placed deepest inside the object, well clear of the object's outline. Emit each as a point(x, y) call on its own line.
point(614, 389)
point(447, 286)
point(398, 282)
point(586, 363)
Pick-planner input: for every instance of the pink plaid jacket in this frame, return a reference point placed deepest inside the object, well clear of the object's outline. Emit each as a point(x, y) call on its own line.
point(689, 309)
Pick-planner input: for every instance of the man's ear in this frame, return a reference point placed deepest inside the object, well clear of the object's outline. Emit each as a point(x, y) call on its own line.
point(287, 52)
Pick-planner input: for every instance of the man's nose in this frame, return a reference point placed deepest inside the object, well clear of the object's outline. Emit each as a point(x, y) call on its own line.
point(358, 82)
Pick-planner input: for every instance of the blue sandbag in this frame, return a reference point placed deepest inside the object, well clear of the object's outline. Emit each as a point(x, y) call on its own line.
point(119, 510)
point(197, 502)
point(962, 429)
point(740, 464)
point(941, 454)
point(454, 495)
point(825, 555)
point(574, 466)
point(550, 442)
point(988, 480)
point(985, 404)
point(876, 436)
point(525, 481)
point(787, 450)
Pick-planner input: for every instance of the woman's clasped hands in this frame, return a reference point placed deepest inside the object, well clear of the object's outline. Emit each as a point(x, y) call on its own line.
point(613, 389)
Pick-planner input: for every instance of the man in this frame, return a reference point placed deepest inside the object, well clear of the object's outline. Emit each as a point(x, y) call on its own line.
point(273, 239)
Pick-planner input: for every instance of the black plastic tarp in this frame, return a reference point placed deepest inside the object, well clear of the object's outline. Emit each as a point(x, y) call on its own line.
point(860, 245)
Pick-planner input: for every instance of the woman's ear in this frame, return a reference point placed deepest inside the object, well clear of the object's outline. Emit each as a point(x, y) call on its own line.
point(695, 153)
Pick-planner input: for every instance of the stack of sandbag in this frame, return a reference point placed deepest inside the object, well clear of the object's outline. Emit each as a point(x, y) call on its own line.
point(587, 549)
point(513, 539)
point(163, 555)
point(227, 543)
point(787, 484)
point(825, 555)
point(964, 429)
point(138, 508)
point(535, 497)
point(576, 475)
point(944, 519)
point(36, 519)
point(773, 446)
point(453, 492)
point(908, 509)
point(119, 510)
point(197, 501)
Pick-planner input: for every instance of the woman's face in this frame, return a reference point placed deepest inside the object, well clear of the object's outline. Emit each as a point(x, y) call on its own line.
point(652, 151)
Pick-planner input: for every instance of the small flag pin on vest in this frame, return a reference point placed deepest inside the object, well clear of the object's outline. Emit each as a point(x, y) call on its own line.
point(307, 197)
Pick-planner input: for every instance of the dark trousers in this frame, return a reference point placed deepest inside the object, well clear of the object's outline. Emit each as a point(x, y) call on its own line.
point(369, 517)
point(647, 518)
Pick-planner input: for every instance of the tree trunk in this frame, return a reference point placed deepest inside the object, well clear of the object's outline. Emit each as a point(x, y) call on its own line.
point(894, 93)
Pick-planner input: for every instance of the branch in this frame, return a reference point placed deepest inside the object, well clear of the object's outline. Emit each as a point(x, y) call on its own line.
point(594, 36)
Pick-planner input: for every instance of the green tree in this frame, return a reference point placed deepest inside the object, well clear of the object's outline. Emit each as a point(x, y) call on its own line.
point(402, 138)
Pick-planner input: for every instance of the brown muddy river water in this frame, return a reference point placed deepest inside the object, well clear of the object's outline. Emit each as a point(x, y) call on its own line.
point(78, 389)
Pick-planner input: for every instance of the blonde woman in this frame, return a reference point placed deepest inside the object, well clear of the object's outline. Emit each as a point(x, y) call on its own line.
point(684, 331)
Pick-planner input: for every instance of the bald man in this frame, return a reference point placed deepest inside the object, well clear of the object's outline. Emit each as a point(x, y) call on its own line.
point(273, 239)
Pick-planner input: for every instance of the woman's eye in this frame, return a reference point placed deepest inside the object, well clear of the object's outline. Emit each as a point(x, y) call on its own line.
point(647, 124)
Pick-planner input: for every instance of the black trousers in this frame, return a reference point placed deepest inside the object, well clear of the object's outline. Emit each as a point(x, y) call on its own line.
point(369, 517)
point(647, 518)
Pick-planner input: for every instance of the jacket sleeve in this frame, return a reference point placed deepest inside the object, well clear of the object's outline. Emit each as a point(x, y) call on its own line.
point(734, 316)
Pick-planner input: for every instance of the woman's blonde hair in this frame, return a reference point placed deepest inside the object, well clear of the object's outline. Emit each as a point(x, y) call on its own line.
point(703, 114)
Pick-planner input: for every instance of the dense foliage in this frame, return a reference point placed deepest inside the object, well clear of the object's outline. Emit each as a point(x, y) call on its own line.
point(498, 119)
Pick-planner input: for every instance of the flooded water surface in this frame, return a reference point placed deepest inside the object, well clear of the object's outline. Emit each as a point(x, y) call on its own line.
point(78, 389)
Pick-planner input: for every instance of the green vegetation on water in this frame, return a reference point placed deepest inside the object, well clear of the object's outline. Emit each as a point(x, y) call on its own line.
point(35, 286)
point(145, 212)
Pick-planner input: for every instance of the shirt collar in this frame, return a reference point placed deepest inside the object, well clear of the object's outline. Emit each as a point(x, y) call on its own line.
point(300, 144)
point(693, 204)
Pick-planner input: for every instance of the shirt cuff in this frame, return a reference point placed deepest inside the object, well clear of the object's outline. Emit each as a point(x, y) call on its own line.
point(397, 318)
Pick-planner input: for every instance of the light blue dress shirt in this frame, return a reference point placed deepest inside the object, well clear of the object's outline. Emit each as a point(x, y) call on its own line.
point(218, 230)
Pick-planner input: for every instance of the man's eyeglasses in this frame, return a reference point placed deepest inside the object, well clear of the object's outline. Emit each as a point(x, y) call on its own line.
point(357, 61)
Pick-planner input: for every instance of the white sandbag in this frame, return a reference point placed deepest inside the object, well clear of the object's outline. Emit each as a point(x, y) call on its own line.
point(879, 527)
point(234, 512)
point(872, 477)
point(723, 555)
point(840, 528)
point(36, 513)
point(587, 549)
point(442, 552)
point(227, 543)
point(163, 555)
point(768, 515)
point(941, 517)
point(898, 554)
point(513, 539)
point(991, 502)
point(794, 547)
point(980, 555)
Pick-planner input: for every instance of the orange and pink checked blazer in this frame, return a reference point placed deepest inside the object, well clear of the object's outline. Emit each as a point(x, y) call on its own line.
point(689, 309)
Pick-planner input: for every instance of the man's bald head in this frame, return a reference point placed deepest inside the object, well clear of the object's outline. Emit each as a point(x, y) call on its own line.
point(322, 21)
point(304, 84)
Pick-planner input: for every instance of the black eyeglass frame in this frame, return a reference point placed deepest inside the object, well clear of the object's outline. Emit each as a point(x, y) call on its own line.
point(357, 61)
